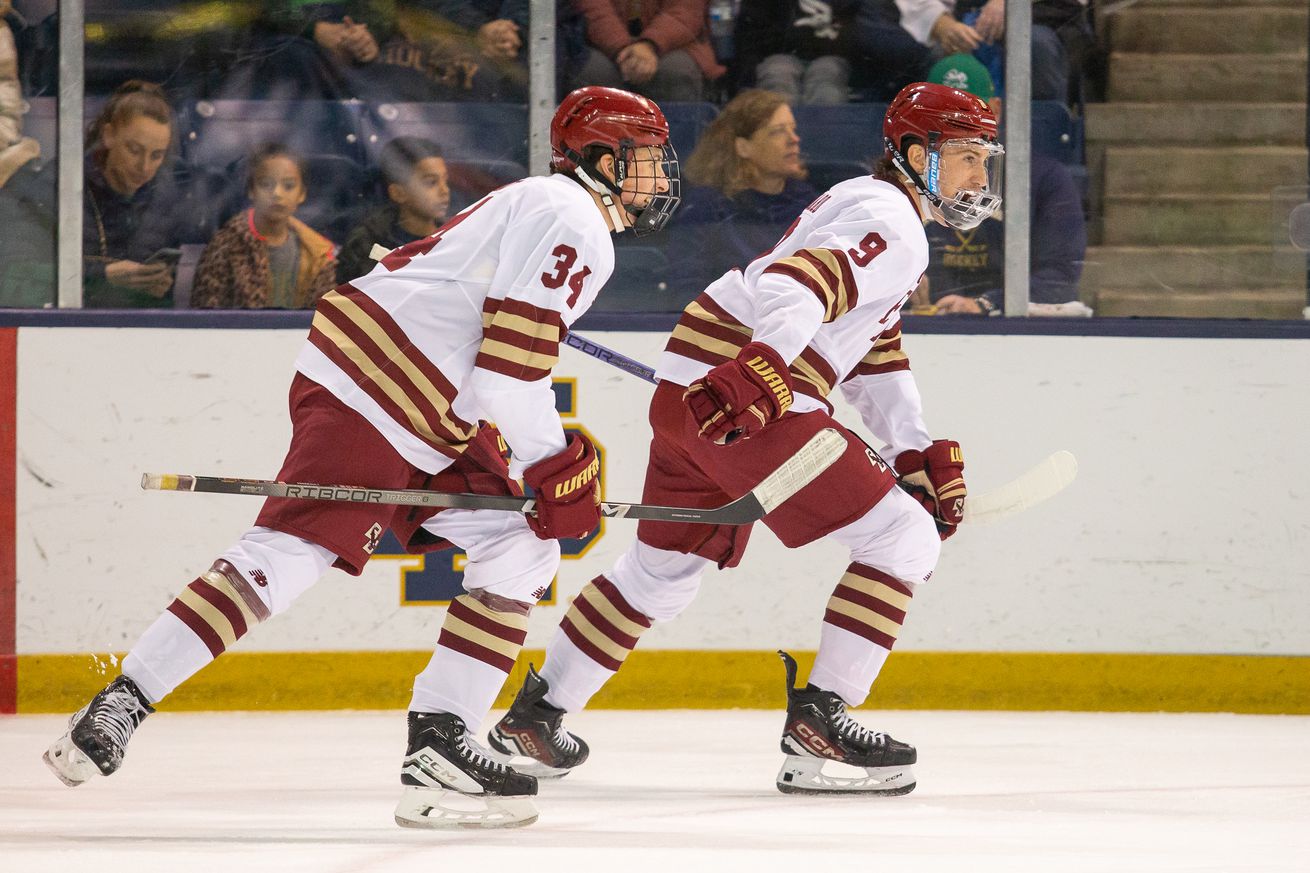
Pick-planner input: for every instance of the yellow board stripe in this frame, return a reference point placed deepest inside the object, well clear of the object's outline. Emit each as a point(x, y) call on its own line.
point(679, 679)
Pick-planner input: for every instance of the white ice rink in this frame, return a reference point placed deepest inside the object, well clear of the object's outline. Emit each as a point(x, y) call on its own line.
point(678, 792)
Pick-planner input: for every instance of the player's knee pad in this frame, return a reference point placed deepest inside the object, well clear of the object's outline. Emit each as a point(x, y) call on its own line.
point(658, 583)
point(277, 567)
point(512, 562)
point(897, 536)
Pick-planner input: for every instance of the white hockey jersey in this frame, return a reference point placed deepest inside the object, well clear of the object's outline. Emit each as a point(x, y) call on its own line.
point(466, 324)
point(828, 298)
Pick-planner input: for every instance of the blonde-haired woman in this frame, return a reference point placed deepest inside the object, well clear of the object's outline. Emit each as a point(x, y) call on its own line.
point(748, 184)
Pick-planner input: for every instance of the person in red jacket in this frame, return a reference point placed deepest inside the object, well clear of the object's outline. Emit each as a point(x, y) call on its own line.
point(660, 48)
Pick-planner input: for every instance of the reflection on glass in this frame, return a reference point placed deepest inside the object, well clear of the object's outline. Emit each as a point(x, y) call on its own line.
point(27, 171)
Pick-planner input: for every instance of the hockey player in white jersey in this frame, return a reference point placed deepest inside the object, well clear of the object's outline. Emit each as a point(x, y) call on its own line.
point(745, 378)
point(402, 369)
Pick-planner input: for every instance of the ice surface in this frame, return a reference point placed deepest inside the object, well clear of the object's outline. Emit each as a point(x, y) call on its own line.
point(680, 792)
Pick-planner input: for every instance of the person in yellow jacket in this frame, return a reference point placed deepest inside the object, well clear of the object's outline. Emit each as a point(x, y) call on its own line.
point(264, 257)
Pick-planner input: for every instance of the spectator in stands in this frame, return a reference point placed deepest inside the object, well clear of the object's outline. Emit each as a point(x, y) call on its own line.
point(418, 192)
point(966, 267)
point(944, 25)
point(797, 48)
point(264, 257)
point(15, 149)
point(660, 48)
point(494, 34)
point(128, 216)
point(748, 185)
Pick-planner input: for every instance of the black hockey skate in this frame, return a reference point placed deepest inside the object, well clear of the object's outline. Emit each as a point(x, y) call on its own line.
point(97, 734)
point(534, 730)
point(819, 730)
point(451, 782)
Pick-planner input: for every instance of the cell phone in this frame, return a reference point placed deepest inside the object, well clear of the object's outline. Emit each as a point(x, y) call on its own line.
point(166, 256)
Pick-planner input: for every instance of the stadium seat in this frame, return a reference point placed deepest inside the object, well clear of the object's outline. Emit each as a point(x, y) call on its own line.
point(217, 133)
point(850, 132)
point(471, 180)
point(465, 131)
point(825, 174)
point(1054, 132)
point(687, 121)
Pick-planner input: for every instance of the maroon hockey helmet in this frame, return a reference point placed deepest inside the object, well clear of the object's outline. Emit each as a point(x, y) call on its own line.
point(619, 121)
point(931, 115)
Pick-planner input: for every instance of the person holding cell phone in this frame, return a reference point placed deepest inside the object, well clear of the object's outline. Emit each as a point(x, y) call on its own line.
point(127, 206)
point(264, 257)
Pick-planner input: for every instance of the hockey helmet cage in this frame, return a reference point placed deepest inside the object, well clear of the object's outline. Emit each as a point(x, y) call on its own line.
point(932, 115)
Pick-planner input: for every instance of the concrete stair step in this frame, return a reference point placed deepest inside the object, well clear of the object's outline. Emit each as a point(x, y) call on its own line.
point(1214, 170)
point(1233, 219)
point(1239, 26)
point(1196, 123)
point(1270, 78)
point(1212, 303)
point(1192, 267)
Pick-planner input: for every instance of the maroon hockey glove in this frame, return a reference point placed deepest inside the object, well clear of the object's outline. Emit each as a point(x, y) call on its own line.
point(567, 489)
point(935, 477)
point(738, 397)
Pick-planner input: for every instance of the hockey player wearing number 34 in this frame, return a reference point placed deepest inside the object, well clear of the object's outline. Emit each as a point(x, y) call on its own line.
point(744, 381)
point(402, 368)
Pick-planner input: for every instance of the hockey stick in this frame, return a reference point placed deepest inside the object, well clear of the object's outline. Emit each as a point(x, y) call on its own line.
point(609, 356)
point(802, 468)
point(1039, 484)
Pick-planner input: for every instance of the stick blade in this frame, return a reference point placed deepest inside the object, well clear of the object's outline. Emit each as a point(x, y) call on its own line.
point(158, 482)
point(1038, 485)
point(802, 468)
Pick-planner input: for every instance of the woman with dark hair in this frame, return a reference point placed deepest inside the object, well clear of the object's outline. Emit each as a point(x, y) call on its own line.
point(265, 257)
point(127, 218)
point(749, 183)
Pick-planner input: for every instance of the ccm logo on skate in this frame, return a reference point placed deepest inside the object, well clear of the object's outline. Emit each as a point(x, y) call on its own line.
point(773, 380)
point(813, 741)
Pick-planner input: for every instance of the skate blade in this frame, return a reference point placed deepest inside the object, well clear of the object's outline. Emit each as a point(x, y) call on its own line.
point(526, 765)
point(442, 809)
point(804, 775)
point(68, 762)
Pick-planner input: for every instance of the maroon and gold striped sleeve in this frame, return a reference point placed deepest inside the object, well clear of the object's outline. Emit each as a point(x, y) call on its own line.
point(519, 340)
point(826, 273)
point(885, 356)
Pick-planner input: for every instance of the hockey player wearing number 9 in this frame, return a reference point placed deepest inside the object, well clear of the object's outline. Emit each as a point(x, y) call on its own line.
point(744, 383)
point(402, 369)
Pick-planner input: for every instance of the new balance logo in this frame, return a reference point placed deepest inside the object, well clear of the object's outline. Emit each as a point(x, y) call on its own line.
point(260, 579)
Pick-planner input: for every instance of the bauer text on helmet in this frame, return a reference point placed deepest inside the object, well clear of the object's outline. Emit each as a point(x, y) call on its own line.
point(631, 129)
point(945, 142)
